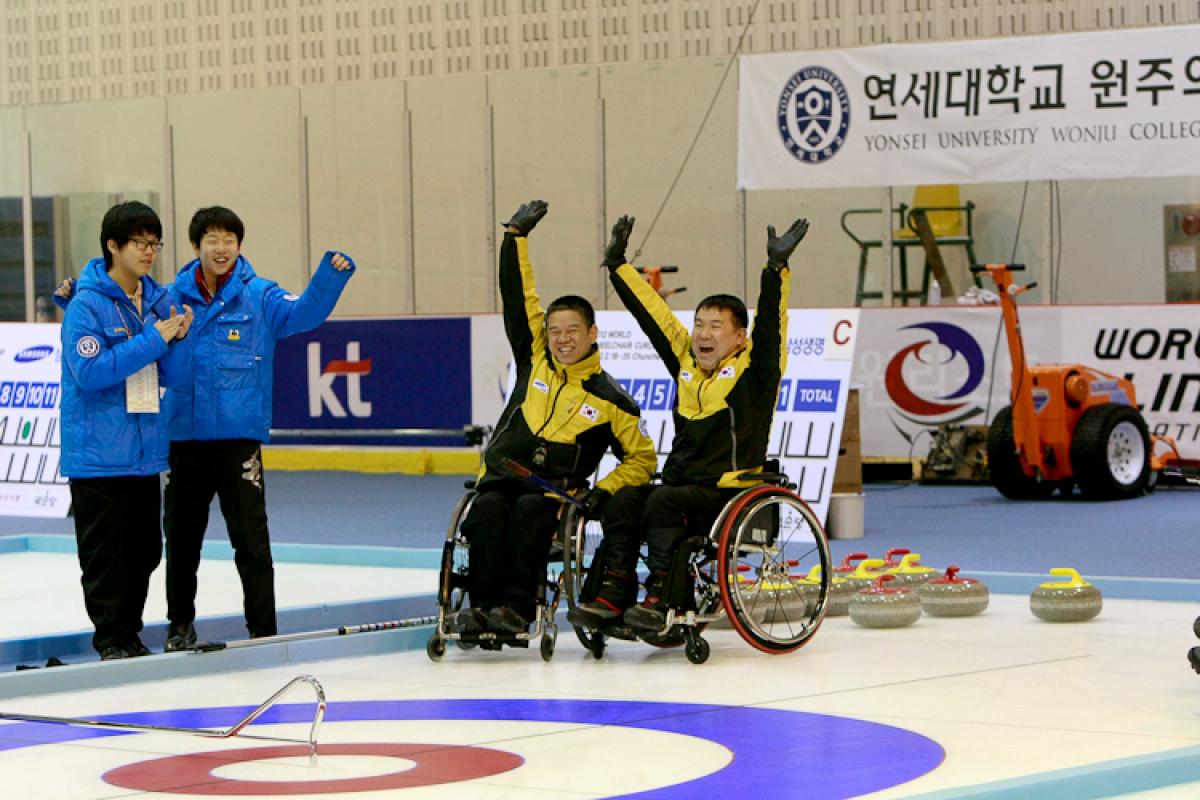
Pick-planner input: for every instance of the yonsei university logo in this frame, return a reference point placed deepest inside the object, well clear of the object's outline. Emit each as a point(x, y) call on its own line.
point(814, 115)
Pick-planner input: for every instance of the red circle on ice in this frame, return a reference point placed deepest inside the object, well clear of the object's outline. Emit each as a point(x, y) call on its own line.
point(434, 764)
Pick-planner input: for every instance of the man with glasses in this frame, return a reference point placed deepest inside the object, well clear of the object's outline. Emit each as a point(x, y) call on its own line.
point(219, 414)
point(121, 329)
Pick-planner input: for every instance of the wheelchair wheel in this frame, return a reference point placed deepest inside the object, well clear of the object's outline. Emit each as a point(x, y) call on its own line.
point(769, 541)
point(452, 580)
point(581, 539)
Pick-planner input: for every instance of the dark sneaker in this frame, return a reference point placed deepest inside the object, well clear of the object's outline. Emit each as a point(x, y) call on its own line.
point(136, 649)
point(646, 618)
point(593, 613)
point(503, 618)
point(113, 653)
point(180, 637)
point(470, 621)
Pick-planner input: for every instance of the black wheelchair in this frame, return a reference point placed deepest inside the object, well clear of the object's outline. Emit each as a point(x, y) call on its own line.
point(756, 566)
point(452, 592)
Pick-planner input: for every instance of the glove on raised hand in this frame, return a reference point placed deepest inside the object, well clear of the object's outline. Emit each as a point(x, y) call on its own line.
point(614, 254)
point(779, 248)
point(528, 216)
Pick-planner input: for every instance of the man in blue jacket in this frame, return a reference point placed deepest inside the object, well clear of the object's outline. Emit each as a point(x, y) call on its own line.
point(121, 328)
point(220, 417)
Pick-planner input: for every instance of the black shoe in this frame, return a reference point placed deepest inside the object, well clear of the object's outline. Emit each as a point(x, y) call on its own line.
point(645, 618)
point(593, 614)
point(469, 621)
point(503, 618)
point(180, 637)
point(113, 653)
point(136, 649)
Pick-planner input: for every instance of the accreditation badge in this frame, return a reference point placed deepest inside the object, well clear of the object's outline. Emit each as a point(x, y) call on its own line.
point(141, 390)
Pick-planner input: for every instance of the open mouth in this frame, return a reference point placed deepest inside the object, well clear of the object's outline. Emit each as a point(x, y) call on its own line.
point(705, 349)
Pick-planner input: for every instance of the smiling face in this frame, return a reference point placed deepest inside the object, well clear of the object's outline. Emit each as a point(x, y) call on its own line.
point(218, 251)
point(570, 337)
point(715, 334)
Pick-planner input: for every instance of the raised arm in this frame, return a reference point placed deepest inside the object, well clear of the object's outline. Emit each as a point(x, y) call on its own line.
point(524, 319)
point(768, 337)
point(667, 334)
point(290, 314)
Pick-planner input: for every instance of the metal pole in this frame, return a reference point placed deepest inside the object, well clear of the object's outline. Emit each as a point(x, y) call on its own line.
point(27, 222)
point(228, 733)
point(305, 207)
point(165, 272)
point(601, 191)
point(410, 219)
point(489, 178)
point(886, 239)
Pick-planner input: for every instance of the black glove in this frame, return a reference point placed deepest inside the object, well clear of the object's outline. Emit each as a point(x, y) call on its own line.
point(528, 216)
point(779, 248)
point(614, 254)
point(595, 501)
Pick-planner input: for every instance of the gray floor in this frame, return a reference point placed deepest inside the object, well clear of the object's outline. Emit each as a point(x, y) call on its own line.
point(1153, 536)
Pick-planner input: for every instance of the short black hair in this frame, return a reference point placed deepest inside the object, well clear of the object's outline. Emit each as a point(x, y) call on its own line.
point(124, 221)
point(214, 218)
point(730, 303)
point(573, 302)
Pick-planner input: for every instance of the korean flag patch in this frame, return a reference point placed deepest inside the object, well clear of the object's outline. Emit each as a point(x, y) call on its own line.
point(590, 413)
point(684, 375)
point(541, 386)
point(727, 372)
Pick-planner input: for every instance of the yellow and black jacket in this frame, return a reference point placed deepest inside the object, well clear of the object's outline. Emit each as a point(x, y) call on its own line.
point(560, 419)
point(722, 420)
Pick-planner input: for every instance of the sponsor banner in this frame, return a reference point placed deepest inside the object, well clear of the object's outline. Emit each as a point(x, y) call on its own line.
point(922, 367)
point(386, 373)
point(30, 389)
point(807, 428)
point(1111, 104)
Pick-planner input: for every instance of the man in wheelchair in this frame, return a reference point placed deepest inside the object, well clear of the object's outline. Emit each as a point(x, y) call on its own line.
point(565, 412)
point(727, 381)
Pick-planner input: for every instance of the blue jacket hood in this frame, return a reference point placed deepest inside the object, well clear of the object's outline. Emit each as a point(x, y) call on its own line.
point(95, 278)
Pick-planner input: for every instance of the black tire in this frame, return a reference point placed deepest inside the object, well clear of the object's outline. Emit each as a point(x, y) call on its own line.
point(580, 550)
point(1110, 452)
point(1196, 627)
point(547, 647)
point(1004, 464)
point(698, 650)
point(435, 648)
point(772, 535)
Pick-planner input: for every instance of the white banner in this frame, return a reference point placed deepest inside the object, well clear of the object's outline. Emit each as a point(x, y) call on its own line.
point(922, 367)
point(30, 388)
point(807, 428)
point(1110, 104)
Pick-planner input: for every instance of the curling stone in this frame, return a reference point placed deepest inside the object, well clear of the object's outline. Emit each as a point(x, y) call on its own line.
point(785, 601)
point(865, 573)
point(756, 606)
point(1073, 600)
point(952, 596)
point(810, 587)
point(891, 557)
point(848, 564)
point(837, 601)
point(881, 606)
point(911, 571)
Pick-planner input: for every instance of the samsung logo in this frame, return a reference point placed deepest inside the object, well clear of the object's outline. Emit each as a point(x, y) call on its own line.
point(36, 353)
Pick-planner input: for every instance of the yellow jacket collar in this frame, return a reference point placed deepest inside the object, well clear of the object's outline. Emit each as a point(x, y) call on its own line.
point(581, 370)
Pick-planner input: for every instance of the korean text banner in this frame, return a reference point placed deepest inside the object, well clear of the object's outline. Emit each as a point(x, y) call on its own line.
point(1110, 104)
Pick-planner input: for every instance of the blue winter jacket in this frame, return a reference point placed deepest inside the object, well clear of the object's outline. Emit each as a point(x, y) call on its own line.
point(105, 340)
point(227, 360)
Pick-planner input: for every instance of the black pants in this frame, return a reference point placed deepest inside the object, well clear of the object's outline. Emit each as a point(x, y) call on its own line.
point(120, 545)
point(661, 514)
point(509, 529)
point(231, 469)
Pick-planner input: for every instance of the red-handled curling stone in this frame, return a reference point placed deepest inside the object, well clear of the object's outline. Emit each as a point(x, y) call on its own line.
point(952, 596)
